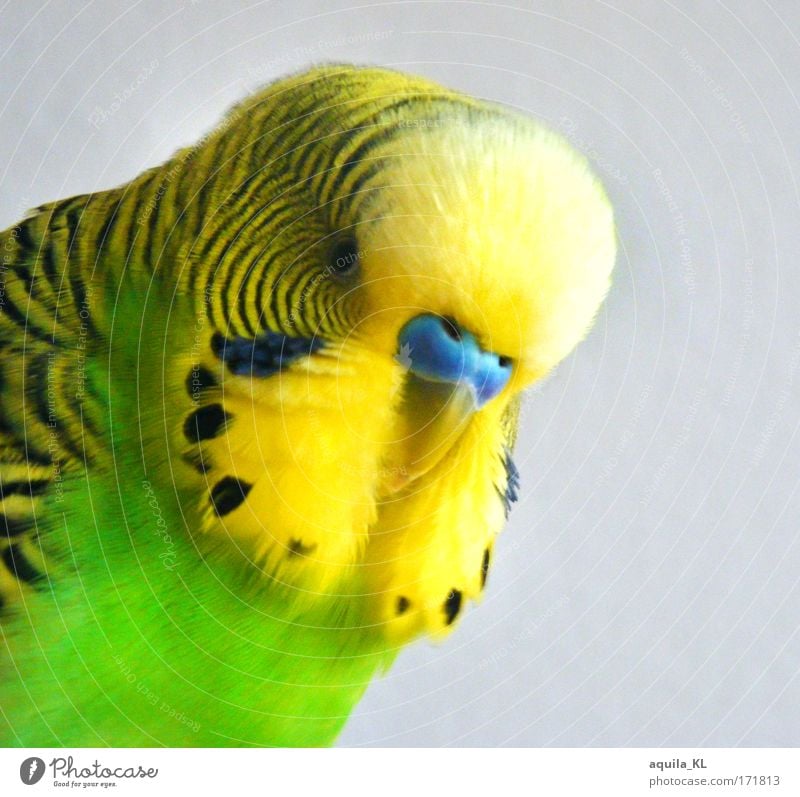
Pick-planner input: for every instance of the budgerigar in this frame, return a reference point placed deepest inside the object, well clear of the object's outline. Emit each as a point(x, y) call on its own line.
point(258, 406)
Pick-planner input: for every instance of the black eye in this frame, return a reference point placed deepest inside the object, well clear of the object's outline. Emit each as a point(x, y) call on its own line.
point(343, 258)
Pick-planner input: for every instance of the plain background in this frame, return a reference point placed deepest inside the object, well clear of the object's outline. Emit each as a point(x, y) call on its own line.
point(646, 590)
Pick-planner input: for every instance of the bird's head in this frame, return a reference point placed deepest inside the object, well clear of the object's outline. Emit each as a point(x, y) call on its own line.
point(459, 240)
point(491, 226)
point(444, 252)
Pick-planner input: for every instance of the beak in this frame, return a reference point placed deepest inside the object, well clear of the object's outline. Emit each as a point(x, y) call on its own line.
point(438, 350)
point(449, 378)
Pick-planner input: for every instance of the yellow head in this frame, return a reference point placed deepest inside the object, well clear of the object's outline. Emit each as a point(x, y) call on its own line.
point(488, 219)
point(447, 253)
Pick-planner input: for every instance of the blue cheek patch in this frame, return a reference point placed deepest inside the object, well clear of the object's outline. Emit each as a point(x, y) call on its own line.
point(437, 349)
point(264, 355)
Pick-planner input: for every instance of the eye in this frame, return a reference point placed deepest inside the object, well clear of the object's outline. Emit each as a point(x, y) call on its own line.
point(343, 258)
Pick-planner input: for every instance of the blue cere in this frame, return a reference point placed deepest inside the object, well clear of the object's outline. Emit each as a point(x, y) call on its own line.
point(439, 350)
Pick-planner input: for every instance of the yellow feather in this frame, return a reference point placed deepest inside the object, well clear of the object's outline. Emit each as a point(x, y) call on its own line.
point(476, 214)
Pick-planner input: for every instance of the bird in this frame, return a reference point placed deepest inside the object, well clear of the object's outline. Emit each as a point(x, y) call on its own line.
point(258, 406)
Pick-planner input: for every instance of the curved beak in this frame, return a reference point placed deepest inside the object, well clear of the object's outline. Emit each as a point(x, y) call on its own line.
point(449, 378)
point(438, 350)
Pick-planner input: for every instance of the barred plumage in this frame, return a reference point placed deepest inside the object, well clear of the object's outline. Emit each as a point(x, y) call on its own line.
point(210, 445)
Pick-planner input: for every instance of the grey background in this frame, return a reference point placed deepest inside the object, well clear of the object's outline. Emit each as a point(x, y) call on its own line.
point(646, 589)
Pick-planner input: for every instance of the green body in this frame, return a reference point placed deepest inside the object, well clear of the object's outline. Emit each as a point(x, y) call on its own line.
point(148, 636)
point(232, 565)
